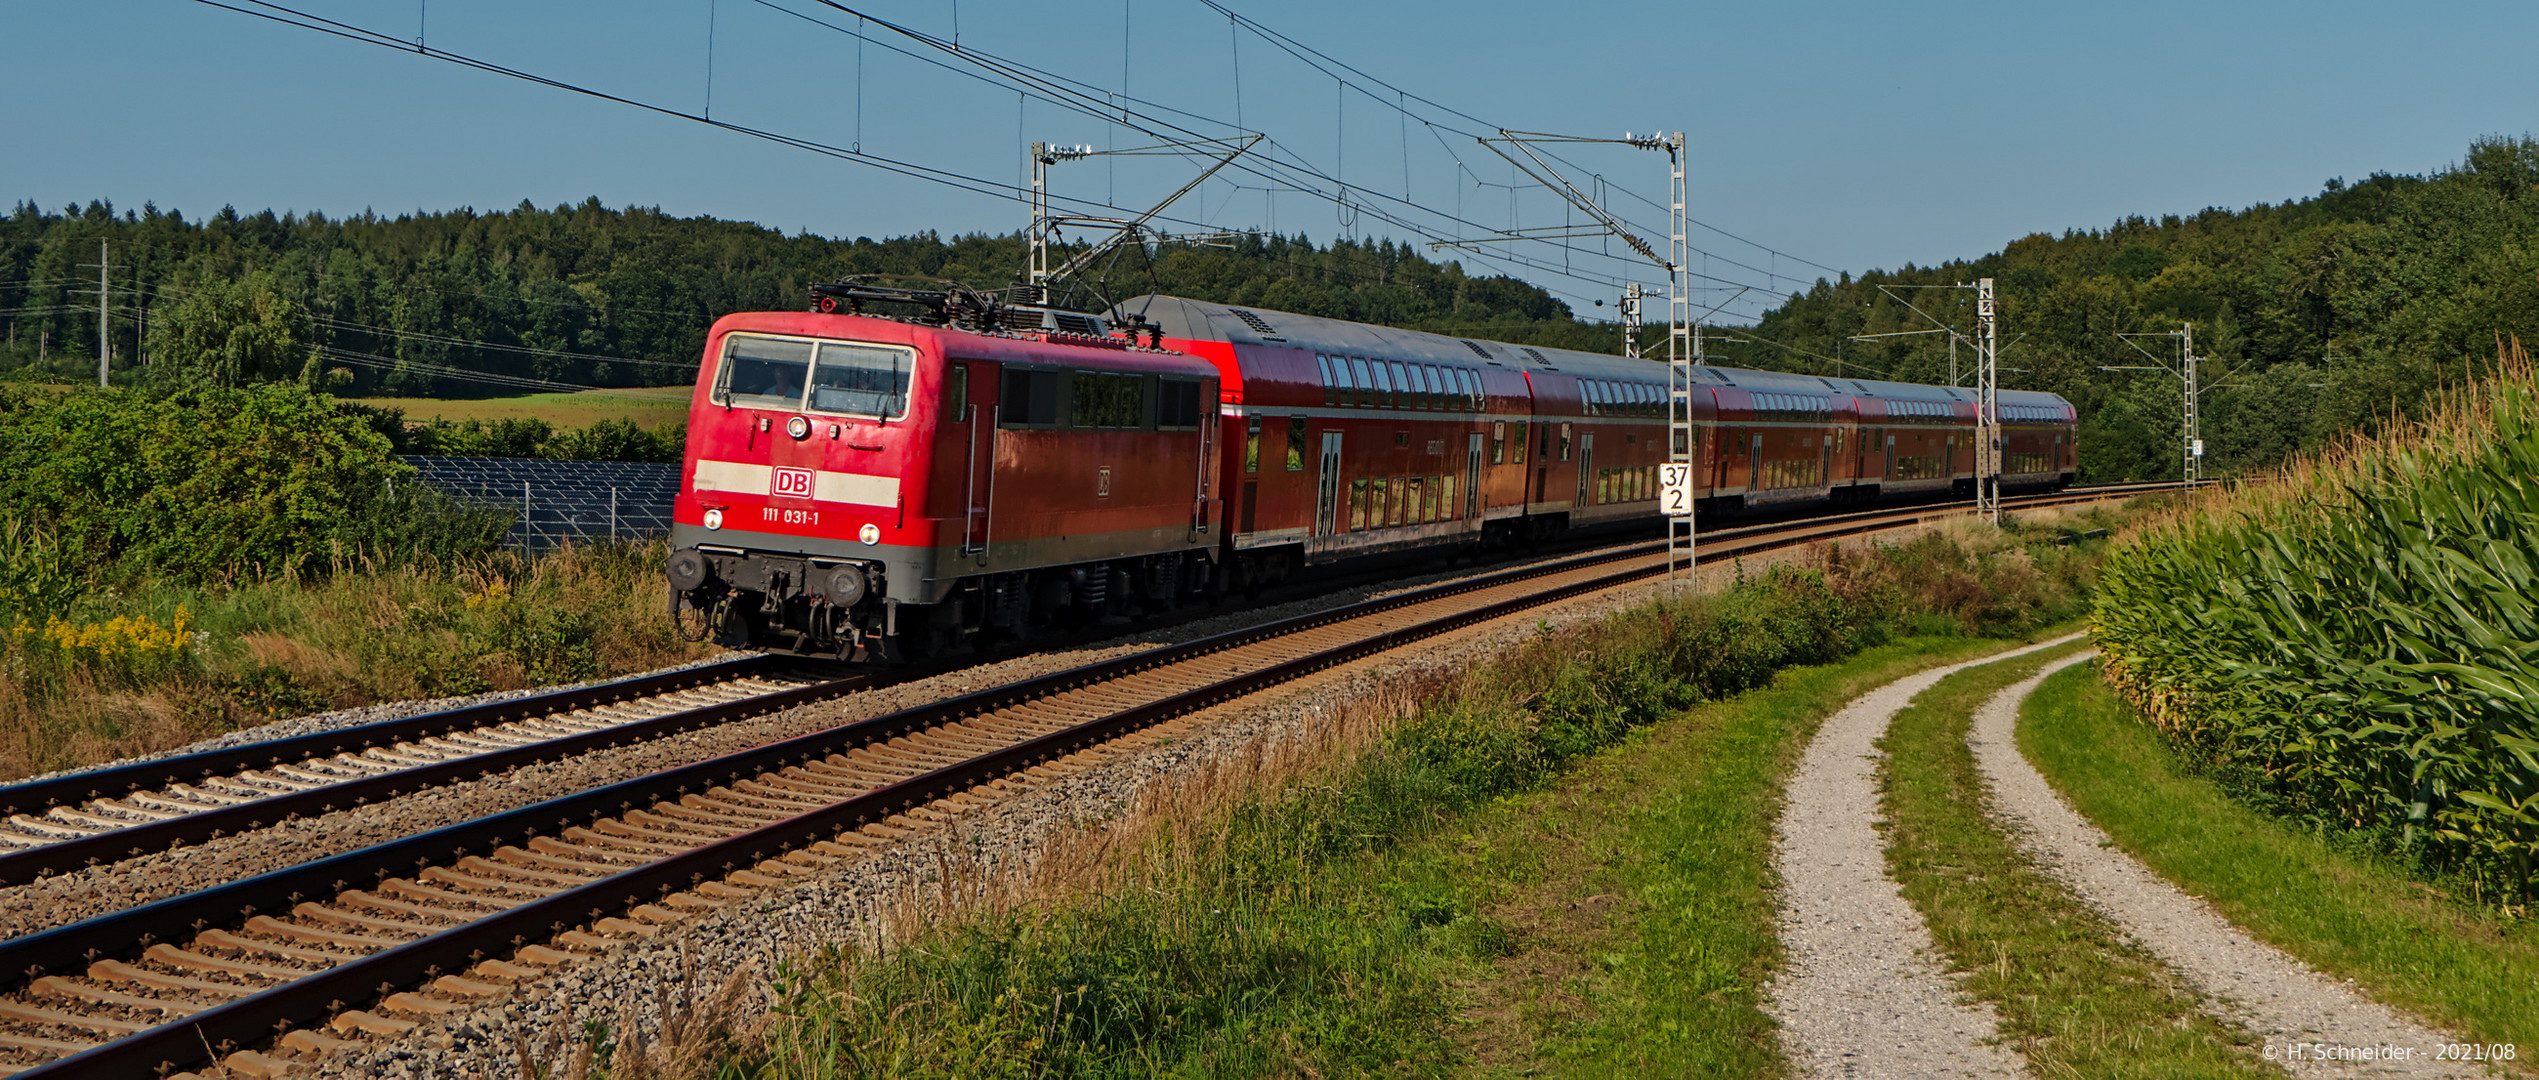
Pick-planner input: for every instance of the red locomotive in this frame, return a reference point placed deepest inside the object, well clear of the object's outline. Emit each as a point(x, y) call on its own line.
point(876, 486)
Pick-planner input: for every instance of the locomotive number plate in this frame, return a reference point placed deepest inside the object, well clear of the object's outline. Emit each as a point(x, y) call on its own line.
point(788, 517)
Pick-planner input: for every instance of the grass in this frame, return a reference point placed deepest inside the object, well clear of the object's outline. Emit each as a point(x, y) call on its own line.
point(647, 408)
point(1638, 894)
point(2352, 916)
point(2075, 996)
point(156, 666)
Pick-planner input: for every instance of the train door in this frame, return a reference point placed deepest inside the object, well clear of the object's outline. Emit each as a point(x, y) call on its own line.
point(976, 424)
point(1327, 488)
point(1206, 510)
point(1586, 465)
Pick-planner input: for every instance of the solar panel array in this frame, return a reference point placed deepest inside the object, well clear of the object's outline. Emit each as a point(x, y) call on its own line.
point(559, 501)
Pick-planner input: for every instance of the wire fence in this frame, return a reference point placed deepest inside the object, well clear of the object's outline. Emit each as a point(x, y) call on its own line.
point(560, 501)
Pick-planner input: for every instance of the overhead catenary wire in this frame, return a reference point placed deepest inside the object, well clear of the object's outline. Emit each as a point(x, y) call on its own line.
point(1076, 96)
point(1269, 169)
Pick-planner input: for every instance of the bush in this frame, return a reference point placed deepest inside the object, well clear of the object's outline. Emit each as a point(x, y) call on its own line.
point(205, 485)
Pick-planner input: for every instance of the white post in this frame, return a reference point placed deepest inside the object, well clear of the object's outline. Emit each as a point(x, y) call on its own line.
point(1987, 403)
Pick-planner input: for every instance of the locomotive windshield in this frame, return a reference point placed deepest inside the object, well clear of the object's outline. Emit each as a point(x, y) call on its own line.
point(764, 372)
point(864, 380)
point(839, 377)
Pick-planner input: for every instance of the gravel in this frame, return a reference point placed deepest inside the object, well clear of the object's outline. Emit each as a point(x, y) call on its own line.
point(1860, 996)
point(2279, 998)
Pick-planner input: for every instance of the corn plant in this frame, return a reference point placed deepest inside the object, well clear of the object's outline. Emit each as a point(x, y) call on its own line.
point(2363, 636)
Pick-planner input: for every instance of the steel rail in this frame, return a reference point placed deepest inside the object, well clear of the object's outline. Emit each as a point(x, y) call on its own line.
point(71, 789)
point(249, 1020)
point(29, 864)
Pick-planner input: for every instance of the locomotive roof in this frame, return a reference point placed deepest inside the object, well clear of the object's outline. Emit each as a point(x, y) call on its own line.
point(1200, 320)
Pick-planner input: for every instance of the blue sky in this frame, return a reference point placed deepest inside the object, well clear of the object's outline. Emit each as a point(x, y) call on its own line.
point(1843, 135)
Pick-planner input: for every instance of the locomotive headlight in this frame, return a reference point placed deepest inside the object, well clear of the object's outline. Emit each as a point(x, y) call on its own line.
point(714, 519)
point(799, 427)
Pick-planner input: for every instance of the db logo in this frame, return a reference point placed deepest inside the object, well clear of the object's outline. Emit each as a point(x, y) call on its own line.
point(793, 483)
point(870, 534)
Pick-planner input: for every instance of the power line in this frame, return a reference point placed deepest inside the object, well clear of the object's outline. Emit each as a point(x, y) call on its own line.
point(1022, 76)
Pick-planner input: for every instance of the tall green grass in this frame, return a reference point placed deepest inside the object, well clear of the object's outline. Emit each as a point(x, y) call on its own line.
point(2358, 645)
point(153, 664)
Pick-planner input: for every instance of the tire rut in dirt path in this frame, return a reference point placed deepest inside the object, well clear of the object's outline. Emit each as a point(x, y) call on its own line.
point(2282, 1000)
point(1860, 996)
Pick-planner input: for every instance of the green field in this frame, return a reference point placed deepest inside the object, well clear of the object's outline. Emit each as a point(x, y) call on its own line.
point(649, 407)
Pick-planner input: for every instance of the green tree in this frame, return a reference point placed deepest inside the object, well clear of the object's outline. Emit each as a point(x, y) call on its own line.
point(227, 332)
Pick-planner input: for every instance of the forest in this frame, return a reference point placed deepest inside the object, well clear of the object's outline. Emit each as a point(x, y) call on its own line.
point(462, 303)
point(2314, 316)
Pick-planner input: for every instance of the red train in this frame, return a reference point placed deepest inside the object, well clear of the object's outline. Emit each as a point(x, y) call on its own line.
point(876, 486)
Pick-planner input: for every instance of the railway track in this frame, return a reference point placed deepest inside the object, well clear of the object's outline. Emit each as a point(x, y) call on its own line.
point(102, 815)
point(313, 958)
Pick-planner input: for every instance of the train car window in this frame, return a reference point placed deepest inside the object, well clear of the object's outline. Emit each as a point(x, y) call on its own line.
point(861, 380)
point(1357, 504)
point(1436, 389)
point(1252, 445)
point(1295, 444)
point(956, 394)
point(765, 373)
point(1178, 404)
point(1366, 381)
point(1498, 442)
point(1452, 506)
point(1404, 394)
point(1519, 442)
point(1330, 388)
point(1564, 442)
point(1108, 400)
point(1031, 398)
point(1472, 387)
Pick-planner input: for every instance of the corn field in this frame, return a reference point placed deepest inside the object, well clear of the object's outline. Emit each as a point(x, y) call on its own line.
point(2363, 635)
